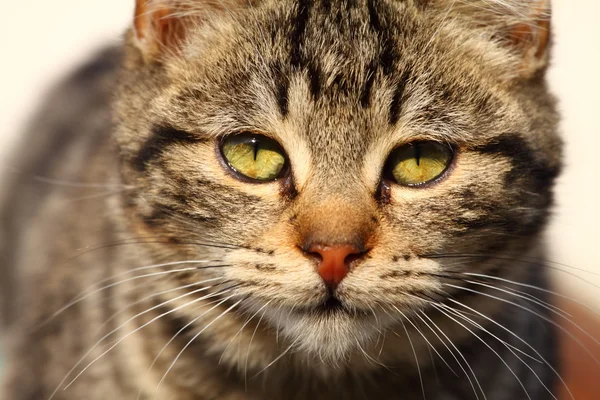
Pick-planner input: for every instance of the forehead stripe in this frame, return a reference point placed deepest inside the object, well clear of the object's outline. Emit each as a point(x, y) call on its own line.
point(399, 97)
point(297, 34)
point(281, 82)
point(388, 57)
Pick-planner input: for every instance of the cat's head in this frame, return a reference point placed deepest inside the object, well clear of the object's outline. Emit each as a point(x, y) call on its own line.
point(328, 160)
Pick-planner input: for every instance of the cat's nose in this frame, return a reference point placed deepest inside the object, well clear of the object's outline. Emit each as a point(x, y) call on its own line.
point(334, 261)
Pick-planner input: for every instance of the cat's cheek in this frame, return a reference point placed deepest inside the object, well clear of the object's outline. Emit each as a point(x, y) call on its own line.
point(389, 283)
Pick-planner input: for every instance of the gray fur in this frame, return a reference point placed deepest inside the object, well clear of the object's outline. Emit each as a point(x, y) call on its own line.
point(339, 84)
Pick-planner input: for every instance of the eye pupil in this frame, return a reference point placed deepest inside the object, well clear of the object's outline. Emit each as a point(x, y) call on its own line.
point(416, 164)
point(254, 157)
point(418, 154)
point(255, 142)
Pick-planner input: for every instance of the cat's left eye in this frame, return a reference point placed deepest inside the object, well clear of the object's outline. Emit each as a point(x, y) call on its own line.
point(418, 163)
point(254, 156)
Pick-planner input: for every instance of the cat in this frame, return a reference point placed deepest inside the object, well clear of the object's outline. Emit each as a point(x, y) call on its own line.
point(290, 199)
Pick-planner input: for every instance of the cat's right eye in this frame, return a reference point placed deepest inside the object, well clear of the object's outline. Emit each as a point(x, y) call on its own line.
point(255, 157)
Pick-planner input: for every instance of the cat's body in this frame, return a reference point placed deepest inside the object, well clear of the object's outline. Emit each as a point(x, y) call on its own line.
point(132, 147)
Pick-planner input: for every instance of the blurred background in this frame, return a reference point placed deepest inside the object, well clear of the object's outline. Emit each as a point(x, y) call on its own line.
point(41, 41)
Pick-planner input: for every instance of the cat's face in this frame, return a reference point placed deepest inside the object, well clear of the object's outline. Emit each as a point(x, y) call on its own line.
point(377, 134)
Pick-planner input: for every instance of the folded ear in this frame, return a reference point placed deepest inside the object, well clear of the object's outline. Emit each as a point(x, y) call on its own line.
point(522, 25)
point(162, 26)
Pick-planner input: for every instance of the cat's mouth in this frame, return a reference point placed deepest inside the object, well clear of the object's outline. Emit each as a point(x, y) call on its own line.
point(334, 306)
point(331, 305)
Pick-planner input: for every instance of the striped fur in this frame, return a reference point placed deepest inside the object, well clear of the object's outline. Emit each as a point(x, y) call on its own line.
point(339, 84)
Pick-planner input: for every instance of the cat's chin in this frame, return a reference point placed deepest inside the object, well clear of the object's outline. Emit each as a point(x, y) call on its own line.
point(328, 332)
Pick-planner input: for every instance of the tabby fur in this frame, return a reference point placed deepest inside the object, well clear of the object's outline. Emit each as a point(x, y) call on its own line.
point(131, 140)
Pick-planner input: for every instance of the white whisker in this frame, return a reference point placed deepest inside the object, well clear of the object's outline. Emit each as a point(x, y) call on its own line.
point(431, 346)
point(248, 351)
point(457, 361)
point(196, 337)
point(242, 328)
point(277, 359)
point(521, 340)
point(153, 296)
point(570, 321)
point(538, 315)
point(537, 288)
point(219, 301)
point(125, 337)
point(488, 346)
point(415, 354)
point(82, 296)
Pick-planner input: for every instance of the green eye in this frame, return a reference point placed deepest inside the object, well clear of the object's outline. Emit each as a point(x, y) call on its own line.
point(418, 163)
point(254, 156)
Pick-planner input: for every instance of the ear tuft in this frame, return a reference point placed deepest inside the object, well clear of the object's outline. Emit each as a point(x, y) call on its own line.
point(522, 25)
point(162, 26)
point(531, 38)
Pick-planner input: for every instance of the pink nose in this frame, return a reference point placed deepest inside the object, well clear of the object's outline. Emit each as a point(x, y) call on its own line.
point(335, 261)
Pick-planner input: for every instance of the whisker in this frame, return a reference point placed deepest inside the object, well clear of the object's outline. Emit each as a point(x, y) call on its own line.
point(488, 346)
point(435, 350)
point(523, 295)
point(480, 327)
point(156, 295)
point(539, 302)
point(80, 185)
point(66, 183)
point(366, 355)
point(93, 196)
point(427, 341)
point(459, 314)
point(277, 359)
point(82, 297)
point(369, 359)
point(383, 333)
point(219, 301)
point(521, 340)
point(415, 354)
point(197, 335)
point(533, 261)
point(242, 328)
point(454, 356)
point(539, 316)
point(125, 337)
point(510, 347)
point(248, 351)
point(152, 240)
point(537, 288)
point(549, 309)
point(433, 366)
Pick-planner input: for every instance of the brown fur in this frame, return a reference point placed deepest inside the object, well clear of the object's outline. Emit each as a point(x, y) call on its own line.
point(339, 84)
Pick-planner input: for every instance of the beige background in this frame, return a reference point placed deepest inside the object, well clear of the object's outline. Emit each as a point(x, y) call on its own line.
point(41, 40)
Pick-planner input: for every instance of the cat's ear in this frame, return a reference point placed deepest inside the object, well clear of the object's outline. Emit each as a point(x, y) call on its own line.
point(162, 26)
point(530, 36)
point(158, 26)
point(522, 25)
